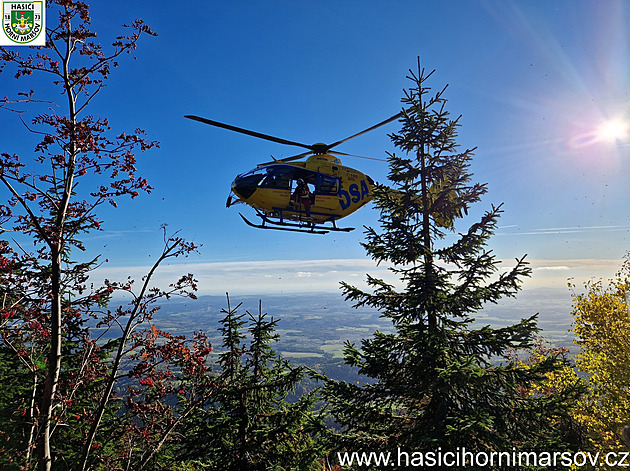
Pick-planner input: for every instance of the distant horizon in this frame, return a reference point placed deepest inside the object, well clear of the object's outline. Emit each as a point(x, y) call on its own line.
point(552, 306)
point(266, 277)
point(553, 302)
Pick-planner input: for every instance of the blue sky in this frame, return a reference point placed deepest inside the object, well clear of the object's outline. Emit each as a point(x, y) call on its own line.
point(533, 80)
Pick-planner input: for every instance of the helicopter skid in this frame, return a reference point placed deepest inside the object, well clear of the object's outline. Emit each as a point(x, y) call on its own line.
point(281, 225)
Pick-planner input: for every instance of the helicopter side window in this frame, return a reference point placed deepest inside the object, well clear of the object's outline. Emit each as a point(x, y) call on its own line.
point(278, 177)
point(328, 185)
point(308, 176)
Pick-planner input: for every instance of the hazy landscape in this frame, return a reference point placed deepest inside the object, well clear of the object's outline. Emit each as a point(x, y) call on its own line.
point(314, 327)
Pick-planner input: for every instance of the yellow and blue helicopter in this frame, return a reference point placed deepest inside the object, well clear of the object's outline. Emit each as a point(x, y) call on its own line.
point(335, 191)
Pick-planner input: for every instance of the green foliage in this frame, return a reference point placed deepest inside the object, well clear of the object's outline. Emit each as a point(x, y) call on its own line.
point(17, 385)
point(602, 329)
point(247, 422)
point(438, 380)
point(559, 381)
point(22, 370)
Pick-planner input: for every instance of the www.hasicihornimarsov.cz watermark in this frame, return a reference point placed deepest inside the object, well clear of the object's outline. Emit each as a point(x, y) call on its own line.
point(462, 458)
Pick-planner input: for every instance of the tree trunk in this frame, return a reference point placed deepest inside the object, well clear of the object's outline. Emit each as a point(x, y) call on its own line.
point(426, 230)
point(54, 364)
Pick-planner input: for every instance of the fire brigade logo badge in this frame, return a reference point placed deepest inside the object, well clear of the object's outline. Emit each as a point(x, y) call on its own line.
point(23, 23)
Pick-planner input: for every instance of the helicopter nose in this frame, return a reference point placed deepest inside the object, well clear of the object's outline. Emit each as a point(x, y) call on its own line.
point(243, 189)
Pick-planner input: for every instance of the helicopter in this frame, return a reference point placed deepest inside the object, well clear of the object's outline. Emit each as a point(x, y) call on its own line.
point(271, 187)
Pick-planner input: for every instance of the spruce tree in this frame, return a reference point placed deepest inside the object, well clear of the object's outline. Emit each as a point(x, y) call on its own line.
point(248, 422)
point(439, 381)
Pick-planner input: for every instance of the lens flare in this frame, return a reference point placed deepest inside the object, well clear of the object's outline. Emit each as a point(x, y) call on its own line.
point(613, 130)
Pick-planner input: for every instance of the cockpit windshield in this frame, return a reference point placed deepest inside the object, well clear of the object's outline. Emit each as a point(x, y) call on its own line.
point(284, 177)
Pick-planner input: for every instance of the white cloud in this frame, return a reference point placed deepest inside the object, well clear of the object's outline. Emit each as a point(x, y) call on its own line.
point(256, 276)
point(562, 230)
point(556, 268)
point(556, 273)
point(282, 276)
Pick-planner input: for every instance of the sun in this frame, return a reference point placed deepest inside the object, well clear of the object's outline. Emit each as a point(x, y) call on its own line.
point(609, 132)
point(613, 130)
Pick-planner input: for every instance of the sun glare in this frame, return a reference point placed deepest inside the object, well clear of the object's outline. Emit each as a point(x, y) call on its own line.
point(613, 130)
point(609, 132)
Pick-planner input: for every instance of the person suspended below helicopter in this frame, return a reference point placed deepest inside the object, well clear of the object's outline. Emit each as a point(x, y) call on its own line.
point(303, 196)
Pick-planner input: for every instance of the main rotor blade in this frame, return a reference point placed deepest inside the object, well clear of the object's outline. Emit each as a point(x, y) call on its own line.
point(248, 132)
point(287, 159)
point(358, 156)
point(295, 157)
point(388, 120)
